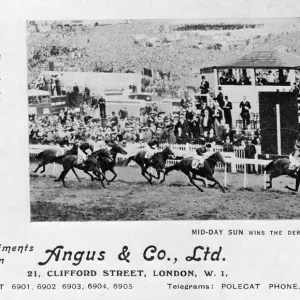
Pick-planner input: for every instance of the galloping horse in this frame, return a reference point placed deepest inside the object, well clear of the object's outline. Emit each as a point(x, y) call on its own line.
point(106, 163)
point(70, 162)
point(279, 167)
point(51, 155)
point(156, 161)
point(207, 171)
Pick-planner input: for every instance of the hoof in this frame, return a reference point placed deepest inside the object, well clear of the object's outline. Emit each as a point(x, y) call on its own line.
point(268, 187)
point(42, 172)
point(92, 178)
point(56, 180)
point(161, 181)
point(286, 187)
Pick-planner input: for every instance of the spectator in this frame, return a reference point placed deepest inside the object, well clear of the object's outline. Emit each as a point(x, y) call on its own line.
point(102, 106)
point(206, 121)
point(250, 152)
point(227, 112)
point(245, 112)
point(237, 137)
point(220, 98)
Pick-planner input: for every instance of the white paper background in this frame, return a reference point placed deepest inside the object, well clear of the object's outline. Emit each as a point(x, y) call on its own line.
point(265, 259)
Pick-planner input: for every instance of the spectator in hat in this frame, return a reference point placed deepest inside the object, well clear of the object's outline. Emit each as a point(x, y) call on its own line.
point(227, 112)
point(223, 79)
point(102, 106)
point(204, 88)
point(206, 121)
point(228, 146)
point(245, 112)
point(220, 98)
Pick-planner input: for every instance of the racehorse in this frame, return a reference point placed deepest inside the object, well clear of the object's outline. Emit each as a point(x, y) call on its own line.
point(106, 163)
point(279, 167)
point(156, 161)
point(51, 155)
point(205, 171)
point(70, 162)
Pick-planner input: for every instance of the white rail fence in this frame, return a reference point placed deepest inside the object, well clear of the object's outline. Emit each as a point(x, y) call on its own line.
point(236, 159)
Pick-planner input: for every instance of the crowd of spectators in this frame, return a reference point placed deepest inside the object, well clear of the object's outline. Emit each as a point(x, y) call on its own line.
point(206, 122)
point(112, 49)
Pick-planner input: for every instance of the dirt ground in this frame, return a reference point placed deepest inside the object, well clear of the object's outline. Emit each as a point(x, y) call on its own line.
point(130, 197)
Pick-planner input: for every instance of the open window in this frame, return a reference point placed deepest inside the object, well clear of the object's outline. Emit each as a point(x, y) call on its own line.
point(279, 77)
point(234, 77)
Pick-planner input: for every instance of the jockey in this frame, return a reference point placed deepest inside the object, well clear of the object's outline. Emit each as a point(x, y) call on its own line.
point(199, 156)
point(294, 157)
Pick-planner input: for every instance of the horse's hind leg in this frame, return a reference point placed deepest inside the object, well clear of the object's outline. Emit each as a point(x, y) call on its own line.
point(130, 158)
point(76, 174)
point(39, 165)
point(92, 177)
point(187, 173)
point(211, 178)
point(62, 176)
point(270, 181)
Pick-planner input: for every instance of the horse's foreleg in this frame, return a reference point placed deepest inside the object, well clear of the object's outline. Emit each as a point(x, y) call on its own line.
point(211, 178)
point(200, 179)
point(92, 177)
point(187, 173)
point(115, 175)
point(144, 174)
point(76, 174)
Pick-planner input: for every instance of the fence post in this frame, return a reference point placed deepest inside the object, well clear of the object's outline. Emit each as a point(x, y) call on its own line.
point(225, 175)
point(245, 176)
point(187, 148)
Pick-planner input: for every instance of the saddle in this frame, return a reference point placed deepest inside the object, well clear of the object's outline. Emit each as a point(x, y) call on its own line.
point(148, 155)
point(292, 167)
point(60, 152)
point(196, 164)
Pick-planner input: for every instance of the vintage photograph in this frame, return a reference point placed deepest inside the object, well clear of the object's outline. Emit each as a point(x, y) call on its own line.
point(134, 120)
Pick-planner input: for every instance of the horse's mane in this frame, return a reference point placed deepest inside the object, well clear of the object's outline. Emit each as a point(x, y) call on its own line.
point(214, 157)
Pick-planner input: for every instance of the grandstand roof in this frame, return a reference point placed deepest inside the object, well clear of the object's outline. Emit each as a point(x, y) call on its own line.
point(264, 59)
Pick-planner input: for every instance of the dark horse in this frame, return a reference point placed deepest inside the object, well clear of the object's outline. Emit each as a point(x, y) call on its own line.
point(156, 161)
point(50, 155)
point(207, 171)
point(279, 167)
point(70, 162)
point(106, 163)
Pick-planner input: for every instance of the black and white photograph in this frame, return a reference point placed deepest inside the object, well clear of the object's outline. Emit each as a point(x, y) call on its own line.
point(163, 119)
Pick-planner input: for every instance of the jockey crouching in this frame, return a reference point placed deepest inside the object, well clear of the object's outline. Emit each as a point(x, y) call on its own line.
point(294, 158)
point(199, 157)
point(82, 157)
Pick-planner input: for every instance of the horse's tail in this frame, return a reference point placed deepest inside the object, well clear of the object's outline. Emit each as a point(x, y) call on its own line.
point(130, 158)
point(172, 168)
point(269, 166)
point(40, 155)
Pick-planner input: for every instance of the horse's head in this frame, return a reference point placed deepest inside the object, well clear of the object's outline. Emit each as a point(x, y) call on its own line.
point(168, 152)
point(117, 148)
point(219, 157)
